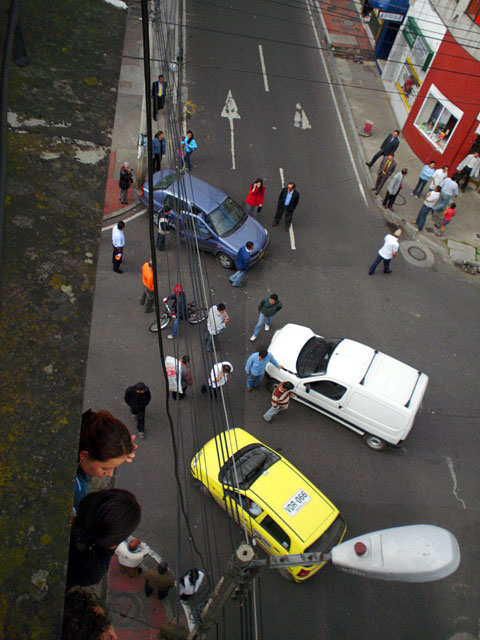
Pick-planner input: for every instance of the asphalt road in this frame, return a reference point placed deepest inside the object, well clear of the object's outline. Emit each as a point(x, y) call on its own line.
point(426, 317)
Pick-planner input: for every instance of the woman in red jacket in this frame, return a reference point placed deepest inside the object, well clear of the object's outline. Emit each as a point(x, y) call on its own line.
point(255, 197)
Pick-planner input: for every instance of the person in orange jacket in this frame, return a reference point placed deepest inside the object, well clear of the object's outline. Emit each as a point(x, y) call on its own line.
point(147, 297)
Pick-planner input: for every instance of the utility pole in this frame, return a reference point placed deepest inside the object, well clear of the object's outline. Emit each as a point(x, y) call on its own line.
point(238, 572)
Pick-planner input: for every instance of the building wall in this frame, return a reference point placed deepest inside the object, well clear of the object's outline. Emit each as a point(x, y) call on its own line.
point(456, 74)
point(460, 25)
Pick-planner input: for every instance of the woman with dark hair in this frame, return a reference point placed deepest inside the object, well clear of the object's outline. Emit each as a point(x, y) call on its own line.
point(256, 195)
point(84, 618)
point(105, 443)
point(104, 519)
point(189, 145)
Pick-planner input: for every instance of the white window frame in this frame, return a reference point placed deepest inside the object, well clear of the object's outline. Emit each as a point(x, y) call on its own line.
point(433, 92)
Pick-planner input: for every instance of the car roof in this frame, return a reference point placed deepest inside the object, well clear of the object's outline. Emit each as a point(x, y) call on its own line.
point(382, 374)
point(198, 192)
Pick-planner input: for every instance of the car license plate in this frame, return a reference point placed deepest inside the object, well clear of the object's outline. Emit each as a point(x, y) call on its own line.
point(296, 502)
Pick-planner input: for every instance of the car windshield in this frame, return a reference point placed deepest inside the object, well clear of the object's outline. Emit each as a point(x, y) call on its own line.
point(250, 463)
point(227, 218)
point(314, 356)
point(165, 181)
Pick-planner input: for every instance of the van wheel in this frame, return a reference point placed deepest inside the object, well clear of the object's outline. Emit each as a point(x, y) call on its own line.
point(224, 261)
point(286, 574)
point(374, 442)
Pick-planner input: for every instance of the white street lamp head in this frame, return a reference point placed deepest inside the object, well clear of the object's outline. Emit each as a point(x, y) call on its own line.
point(416, 553)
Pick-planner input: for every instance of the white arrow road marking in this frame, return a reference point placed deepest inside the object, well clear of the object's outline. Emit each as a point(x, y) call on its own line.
point(264, 69)
point(230, 111)
point(140, 213)
point(300, 119)
point(292, 235)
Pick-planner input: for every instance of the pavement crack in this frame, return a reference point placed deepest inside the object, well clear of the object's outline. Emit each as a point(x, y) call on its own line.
point(451, 468)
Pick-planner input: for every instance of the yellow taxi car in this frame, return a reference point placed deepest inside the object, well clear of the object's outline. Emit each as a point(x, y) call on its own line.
point(263, 492)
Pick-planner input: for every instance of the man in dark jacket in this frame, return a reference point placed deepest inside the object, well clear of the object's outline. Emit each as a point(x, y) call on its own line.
point(124, 182)
point(267, 308)
point(159, 88)
point(287, 203)
point(243, 260)
point(388, 146)
point(138, 397)
point(386, 169)
point(178, 307)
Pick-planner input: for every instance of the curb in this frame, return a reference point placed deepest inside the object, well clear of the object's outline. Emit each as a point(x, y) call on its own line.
point(121, 212)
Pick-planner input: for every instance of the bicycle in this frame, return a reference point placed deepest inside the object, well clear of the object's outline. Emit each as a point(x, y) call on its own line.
point(195, 315)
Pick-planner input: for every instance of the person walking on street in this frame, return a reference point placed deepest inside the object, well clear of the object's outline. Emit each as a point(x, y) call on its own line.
point(160, 580)
point(189, 145)
point(447, 218)
point(268, 307)
point(430, 201)
point(388, 147)
point(425, 175)
point(386, 169)
point(449, 189)
point(179, 375)
point(256, 195)
point(243, 260)
point(159, 149)
point(118, 242)
point(468, 167)
point(130, 554)
point(148, 292)
point(387, 252)
point(219, 375)
point(217, 320)
point(178, 306)
point(287, 203)
point(280, 400)
point(393, 188)
point(124, 182)
point(159, 89)
point(438, 177)
point(162, 228)
point(138, 397)
point(255, 368)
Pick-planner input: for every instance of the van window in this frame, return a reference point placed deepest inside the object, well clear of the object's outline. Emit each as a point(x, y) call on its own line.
point(328, 388)
point(314, 356)
point(275, 531)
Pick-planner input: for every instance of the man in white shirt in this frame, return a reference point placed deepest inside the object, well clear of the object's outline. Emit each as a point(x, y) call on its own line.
point(216, 322)
point(438, 177)
point(470, 166)
point(219, 375)
point(118, 242)
point(387, 252)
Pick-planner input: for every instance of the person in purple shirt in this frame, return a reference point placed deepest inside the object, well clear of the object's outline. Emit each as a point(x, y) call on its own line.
point(255, 368)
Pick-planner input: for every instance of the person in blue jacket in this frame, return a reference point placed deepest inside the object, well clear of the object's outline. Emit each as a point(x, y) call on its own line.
point(189, 145)
point(243, 260)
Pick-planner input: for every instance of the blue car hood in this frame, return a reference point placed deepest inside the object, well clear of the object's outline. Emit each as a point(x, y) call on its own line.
point(250, 230)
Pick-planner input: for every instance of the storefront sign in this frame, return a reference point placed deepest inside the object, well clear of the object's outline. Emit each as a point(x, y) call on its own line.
point(421, 52)
point(392, 17)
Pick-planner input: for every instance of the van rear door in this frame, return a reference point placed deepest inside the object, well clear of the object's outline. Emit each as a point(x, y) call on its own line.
point(377, 417)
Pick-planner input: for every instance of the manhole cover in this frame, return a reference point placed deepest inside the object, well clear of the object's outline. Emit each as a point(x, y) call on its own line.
point(417, 253)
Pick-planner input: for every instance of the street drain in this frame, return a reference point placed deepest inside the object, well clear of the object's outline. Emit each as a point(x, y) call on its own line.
point(417, 253)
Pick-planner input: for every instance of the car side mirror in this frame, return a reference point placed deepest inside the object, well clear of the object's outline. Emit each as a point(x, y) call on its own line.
point(307, 388)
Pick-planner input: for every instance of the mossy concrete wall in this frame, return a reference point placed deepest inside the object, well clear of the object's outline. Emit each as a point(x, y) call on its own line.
point(61, 112)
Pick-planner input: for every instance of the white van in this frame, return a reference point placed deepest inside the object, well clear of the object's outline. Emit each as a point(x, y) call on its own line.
point(373, 394)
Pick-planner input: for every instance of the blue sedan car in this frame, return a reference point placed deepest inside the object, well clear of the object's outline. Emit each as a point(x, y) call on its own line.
point(219, 224)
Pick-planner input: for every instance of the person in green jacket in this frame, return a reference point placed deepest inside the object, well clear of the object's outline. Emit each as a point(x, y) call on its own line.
point(267, 308)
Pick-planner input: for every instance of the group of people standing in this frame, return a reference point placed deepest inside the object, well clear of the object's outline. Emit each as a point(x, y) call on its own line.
point(442, 188)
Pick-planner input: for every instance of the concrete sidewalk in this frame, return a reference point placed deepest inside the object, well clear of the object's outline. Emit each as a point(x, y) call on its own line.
point(352, 46)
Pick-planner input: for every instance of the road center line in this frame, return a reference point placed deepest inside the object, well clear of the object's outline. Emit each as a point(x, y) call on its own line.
point(282, 179)
point(135, 215)
point(329, 80)
point(264, 69)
